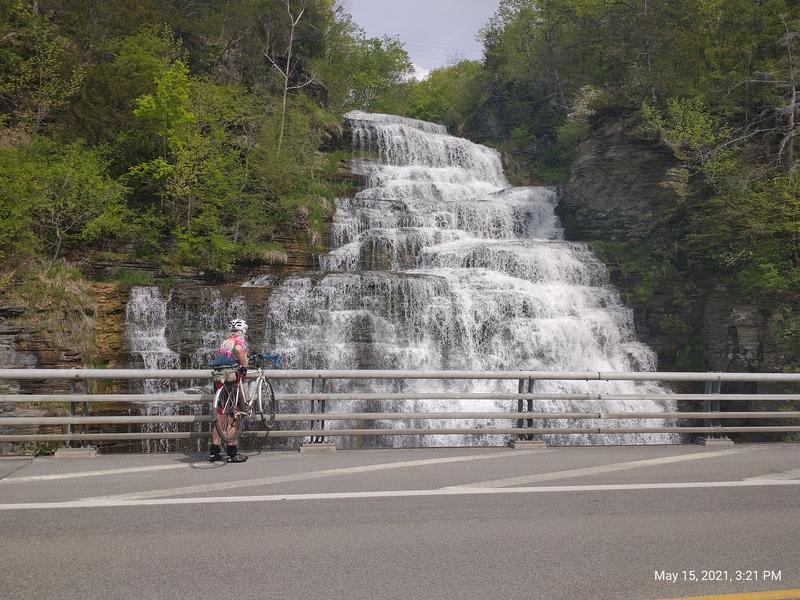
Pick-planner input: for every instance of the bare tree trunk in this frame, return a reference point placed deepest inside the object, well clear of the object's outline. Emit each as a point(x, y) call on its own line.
point(787, 143)
point(790, 125)
point(286, 70)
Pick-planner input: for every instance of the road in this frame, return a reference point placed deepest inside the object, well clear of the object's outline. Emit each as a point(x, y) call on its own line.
point(641, 523)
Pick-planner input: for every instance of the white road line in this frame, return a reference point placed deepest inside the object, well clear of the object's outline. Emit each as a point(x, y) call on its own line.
point(790, 474)
point(450, 491)
point(597, 470)
point(229, 485)
point(79, 474)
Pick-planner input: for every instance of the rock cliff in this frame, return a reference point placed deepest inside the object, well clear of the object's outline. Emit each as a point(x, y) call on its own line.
point(625, 196)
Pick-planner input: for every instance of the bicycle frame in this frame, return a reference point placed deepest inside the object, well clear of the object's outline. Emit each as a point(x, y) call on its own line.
point(233, 406)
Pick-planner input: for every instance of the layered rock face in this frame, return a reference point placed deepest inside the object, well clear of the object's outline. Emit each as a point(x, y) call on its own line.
point(620, 187)
point(623, 191)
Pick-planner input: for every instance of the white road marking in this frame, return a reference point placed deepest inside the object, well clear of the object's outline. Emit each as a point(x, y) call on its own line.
point(78, 474)
point(229, 485)
point(790, 474)
point(597, 470)
point(449, 491)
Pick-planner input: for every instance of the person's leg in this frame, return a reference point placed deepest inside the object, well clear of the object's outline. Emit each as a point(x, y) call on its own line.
point(234, 455)
point(215, 448)
point(233, 449)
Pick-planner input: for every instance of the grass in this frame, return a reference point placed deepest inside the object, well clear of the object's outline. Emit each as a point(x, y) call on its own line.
point(56, 304)
point(126, 276)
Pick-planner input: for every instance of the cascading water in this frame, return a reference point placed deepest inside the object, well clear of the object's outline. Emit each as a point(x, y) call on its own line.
point(200, 323)
point(439, 264)
point(146, 325)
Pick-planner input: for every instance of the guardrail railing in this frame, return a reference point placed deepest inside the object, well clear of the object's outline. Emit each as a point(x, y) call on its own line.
point(523, 419)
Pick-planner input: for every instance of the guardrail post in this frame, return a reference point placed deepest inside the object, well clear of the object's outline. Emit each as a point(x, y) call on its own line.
point(85, 412)
point(529, 437)
point(72, 411)
point(318, 442)
point(318, 404)
point(520, 405)
point(525, 440)
point(713, 405)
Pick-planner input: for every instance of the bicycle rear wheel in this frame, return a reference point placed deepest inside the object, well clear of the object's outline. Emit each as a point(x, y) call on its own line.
point(266, 403)
point(224, 408)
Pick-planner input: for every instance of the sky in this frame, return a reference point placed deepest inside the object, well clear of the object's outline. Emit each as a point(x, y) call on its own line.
point(432, 31)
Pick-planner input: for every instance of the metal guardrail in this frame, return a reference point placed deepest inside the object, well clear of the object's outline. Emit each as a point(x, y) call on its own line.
point(523, 418)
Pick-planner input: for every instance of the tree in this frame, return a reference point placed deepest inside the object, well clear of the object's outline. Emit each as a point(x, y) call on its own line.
point(449, 95)
point(379, 68)
point(69, 199)
point(789, 111)
point(288, 69)
point(131, 67)
point(36, 79)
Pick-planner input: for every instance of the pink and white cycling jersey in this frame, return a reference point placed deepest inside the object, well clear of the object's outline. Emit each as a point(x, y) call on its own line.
point(226, 349)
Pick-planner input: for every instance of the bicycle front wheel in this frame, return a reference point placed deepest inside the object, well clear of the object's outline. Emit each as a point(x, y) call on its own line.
point(266, 403)
point(224, 408)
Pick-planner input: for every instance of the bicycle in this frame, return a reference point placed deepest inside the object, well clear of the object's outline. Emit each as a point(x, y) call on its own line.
point(233, 407)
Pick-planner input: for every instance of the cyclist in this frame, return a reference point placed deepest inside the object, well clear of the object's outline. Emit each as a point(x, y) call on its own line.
point(233, 348)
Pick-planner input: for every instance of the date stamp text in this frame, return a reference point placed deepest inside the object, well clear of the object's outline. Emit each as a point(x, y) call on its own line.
point(703, 575)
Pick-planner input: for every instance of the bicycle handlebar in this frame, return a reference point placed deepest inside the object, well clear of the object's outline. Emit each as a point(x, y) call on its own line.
point(261, 360)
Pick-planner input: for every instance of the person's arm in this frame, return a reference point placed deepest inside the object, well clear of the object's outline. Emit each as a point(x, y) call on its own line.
point(241, 355)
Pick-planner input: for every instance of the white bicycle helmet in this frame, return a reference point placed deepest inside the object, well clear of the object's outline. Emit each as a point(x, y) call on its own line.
point(239, 326)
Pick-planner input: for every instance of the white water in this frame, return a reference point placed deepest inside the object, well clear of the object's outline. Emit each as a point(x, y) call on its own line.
point(439, 264)
point(145, 328)
point(148, 315)
point(436, 264)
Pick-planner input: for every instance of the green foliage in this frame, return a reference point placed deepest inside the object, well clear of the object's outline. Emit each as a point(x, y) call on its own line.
point(69, 198)
point(380, 68)
point(37, 449)
point(104, 112)
point(569, 134)
point(770, 279)
point(553, 165)
point(785, 328)
point(673, 325)
point(157, 127)
point(691, 357)
point(166, 110)
point(126, 276)
point(448, 95)
point(639, 268)
point(694, 135)
point(56, 304)
point(37, 79)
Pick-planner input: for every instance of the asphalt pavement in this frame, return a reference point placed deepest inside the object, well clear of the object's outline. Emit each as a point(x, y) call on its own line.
point(641, 523)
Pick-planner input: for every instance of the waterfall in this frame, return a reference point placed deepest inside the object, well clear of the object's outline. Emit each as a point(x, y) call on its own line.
point(160, 330)
point(436, 264)
point(439, 264)
point(145, 329)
